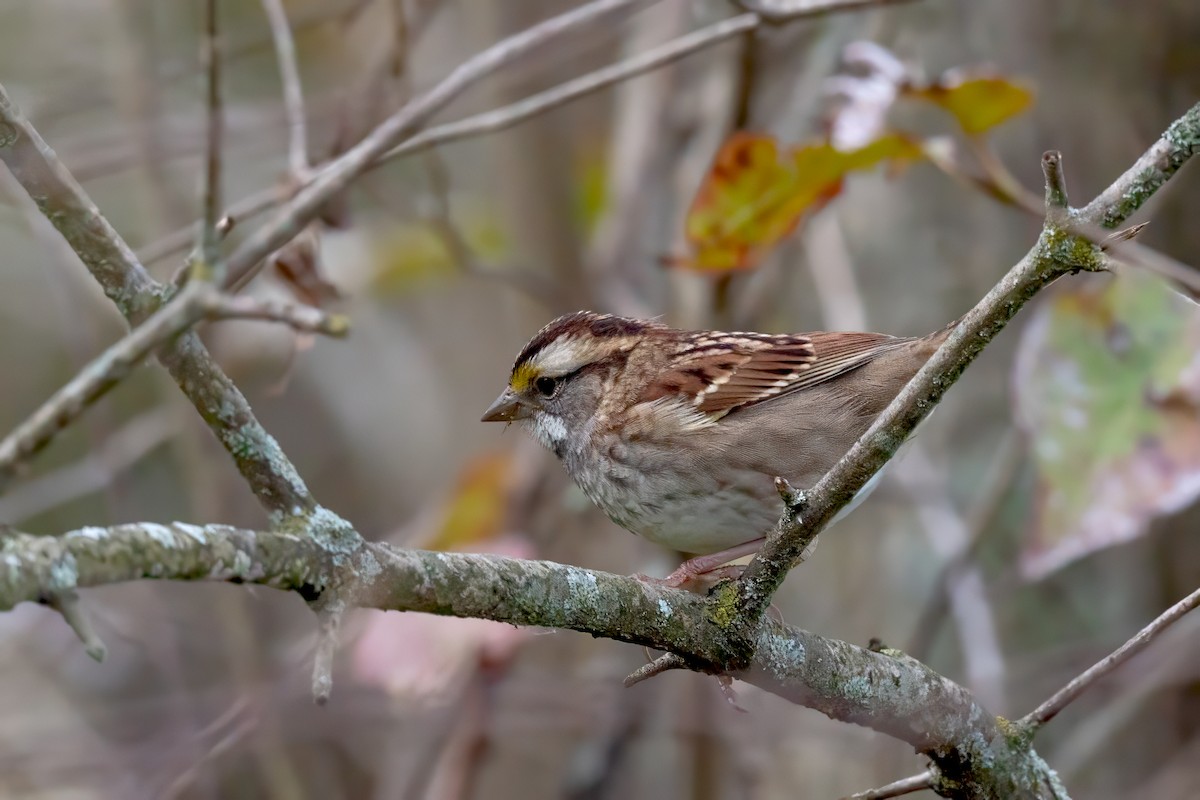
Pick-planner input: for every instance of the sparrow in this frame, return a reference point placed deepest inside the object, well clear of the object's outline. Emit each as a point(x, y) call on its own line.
point(678, 435)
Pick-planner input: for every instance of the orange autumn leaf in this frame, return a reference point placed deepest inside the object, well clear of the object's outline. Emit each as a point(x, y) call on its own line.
point(755, 195)
point(978, 101)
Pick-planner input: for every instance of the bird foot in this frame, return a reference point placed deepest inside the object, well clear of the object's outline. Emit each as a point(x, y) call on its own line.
point(700, 573)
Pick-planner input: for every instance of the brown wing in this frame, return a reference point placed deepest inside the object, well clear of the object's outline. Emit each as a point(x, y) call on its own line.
point(722, 372)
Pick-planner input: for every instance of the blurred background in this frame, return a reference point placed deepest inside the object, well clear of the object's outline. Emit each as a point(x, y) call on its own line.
point(1076, 531)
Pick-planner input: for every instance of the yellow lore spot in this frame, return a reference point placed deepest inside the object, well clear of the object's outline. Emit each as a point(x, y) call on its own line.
point(523, 375)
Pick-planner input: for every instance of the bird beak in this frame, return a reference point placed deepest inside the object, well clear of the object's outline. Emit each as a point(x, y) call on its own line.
point(507, 408)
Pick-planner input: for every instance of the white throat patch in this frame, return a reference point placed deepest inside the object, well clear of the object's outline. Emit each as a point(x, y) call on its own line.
point(550, 430)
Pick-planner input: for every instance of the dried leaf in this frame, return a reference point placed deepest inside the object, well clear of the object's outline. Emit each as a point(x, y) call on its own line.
point(862, 97)
point(755, 195)
point(298, 265)
point(1108, 390)
point(978, 100)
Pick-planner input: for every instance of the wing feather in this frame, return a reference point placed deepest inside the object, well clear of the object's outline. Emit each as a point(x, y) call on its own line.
point(722, 372)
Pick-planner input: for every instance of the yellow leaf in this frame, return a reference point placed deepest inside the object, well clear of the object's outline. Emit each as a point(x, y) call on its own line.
point(978, 101)
point(477, 507)
point(754, 195)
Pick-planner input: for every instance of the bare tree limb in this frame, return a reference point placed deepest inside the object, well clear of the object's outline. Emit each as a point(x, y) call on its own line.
point(208, 266)
point(507, 116)
point(67, 604)
point(103, 373)
point(261, 461)
point(664, 663)
point(1056, 253)
point(305, 319)
point(198, 300)
point(884, 690)
point(913, 783)
point(341, 172)
point(1079, 684)
point(293, 92)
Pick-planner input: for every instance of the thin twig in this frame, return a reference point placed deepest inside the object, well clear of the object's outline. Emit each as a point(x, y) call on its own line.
point(196, 301)
point(95, 470)
point(66, 603)
point(776, 11)
point(998, 182)
point(492, 121)
point(914, 783)
point(1079, 684)
point(664, 663)
point(178, 241)
point(1056, 182)
point(293, 92)
point(209, 266)
point(995, 489)
point(329, 619)
point(342, 171)
point(305, 319)
point(506, 116)
point(103, 373)
point(264, 466)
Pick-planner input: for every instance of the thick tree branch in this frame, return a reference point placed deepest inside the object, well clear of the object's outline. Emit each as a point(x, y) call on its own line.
point(319, 559)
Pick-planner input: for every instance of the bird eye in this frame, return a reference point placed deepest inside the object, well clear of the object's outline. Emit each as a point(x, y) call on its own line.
point(545, 386)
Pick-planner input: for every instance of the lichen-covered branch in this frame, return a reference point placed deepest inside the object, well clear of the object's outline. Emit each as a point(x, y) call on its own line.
point(198, 300)
point(1057, 252)
point(884, 690)
point(101, 374)
point(137, 295)
point(1138, 184)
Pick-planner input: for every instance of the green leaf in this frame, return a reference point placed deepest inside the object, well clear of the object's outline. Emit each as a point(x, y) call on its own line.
point(1108, 389)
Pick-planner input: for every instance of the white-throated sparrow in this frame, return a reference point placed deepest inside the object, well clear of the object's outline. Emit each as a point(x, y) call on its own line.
point(678, 435)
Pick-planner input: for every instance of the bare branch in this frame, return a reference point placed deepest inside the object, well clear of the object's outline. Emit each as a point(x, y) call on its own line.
point(196, 301)
point(303, 318)
point(914, 783)
point(1079, 684)
point(67, 604)
point(178, 241)
point(266, 468)
point(293, 93)
point(329, 618)
point(507, 116)
point(664, 663)
point(330, 564)
point(209, 266)
point(103, 373)
point(1155, 167)
point(1056, 253)
point(1056, 186)
point(776, 11)
point(341, 172)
